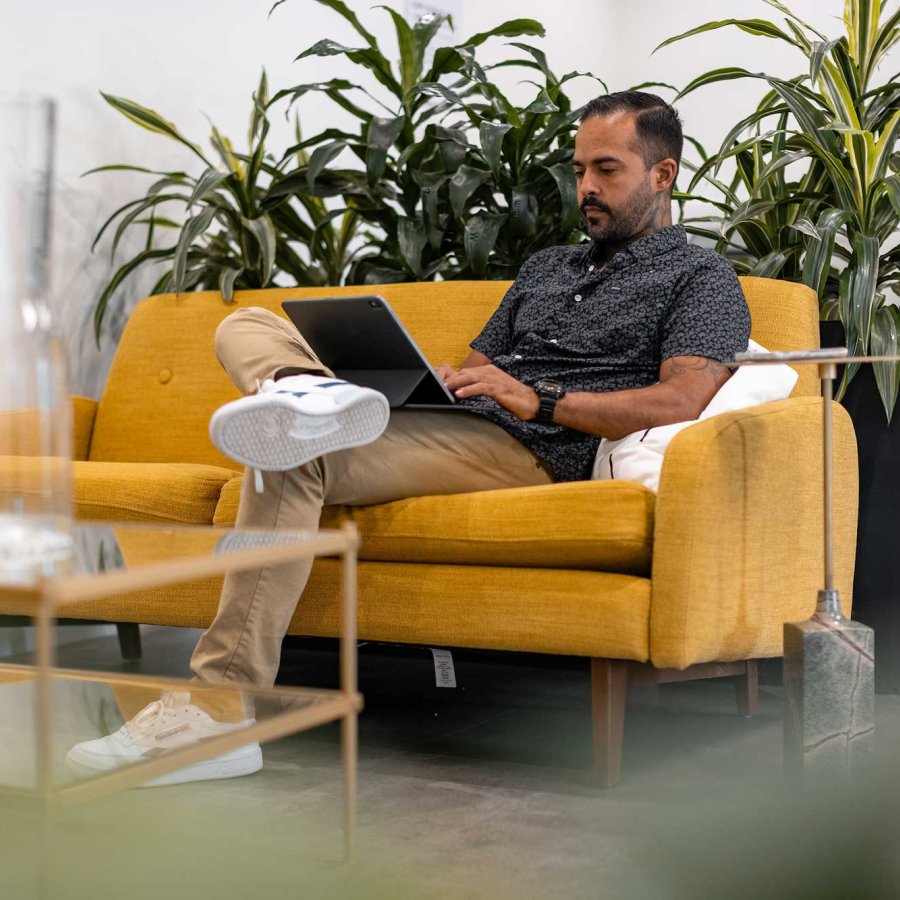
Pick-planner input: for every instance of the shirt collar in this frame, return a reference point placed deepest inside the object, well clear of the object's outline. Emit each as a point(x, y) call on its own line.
point(643, 249)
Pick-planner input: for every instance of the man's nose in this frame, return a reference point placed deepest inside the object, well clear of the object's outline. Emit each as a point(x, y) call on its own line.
point(587, 187)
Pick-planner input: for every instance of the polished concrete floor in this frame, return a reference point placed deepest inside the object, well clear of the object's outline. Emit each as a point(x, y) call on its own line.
point(479, 791)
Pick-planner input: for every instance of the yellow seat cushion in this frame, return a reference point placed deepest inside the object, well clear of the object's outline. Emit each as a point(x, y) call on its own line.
point(148, 492)
point(602, 525)
point(527, 609)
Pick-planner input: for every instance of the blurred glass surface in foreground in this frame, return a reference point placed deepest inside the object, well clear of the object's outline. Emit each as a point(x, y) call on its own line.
point(35, 417)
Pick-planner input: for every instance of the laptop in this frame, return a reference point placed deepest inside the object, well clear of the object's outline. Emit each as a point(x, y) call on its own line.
point(362, 341)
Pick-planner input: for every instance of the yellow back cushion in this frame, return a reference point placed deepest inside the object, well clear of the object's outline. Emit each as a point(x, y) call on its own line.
point(165, 381)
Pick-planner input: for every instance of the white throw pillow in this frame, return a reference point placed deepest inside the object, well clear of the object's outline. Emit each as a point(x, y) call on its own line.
point(639, 456)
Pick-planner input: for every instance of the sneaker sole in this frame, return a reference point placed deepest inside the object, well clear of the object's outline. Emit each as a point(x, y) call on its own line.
point(244, 761)
point(273, 436)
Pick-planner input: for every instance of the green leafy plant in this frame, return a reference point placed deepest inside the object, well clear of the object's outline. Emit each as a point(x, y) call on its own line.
point(235, 232)
point(438, 175)
point(830, 226)
point(458, 181)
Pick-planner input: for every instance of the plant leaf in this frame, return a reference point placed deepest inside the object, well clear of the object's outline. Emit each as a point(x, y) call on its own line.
point(491, 135)
point(523, 212)
point(761, 27)
point(227, 277)
point(728, 73)
point(885, 329)
point(512, 28)
point(818, 260)
point(564, 177)
point(411, 239)
point(193, 228)
point(151, 120)
point(479, 238)
point(465, 181)
point(320, 158)
point(264, 234)
point(542, 104)
point(119, 277)
point(207, 183)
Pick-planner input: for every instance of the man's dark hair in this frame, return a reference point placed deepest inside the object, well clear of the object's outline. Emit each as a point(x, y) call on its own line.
point(657, 124)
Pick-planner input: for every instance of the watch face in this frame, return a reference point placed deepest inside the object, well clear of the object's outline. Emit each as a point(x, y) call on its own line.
point(546, 386)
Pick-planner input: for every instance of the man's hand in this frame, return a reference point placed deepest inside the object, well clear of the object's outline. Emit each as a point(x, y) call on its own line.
point(489, 381)
point(444, 371)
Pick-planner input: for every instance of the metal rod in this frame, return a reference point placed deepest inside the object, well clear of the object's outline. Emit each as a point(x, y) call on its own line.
point(828, 372)
point(43, 709)
point(349, 685)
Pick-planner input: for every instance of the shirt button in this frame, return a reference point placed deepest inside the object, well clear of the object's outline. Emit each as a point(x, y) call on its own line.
point(578, 298)
point(590, 268)
point(553, 341)
point(518, 356)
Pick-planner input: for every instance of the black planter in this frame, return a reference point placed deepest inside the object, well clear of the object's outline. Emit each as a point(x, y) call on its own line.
point(876, 586)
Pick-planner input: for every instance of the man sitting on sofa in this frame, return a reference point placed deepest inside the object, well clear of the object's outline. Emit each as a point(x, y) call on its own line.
point(623, 333)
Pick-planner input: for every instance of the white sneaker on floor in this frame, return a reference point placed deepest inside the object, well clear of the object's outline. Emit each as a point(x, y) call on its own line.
point(296, 419)
point(168, 723)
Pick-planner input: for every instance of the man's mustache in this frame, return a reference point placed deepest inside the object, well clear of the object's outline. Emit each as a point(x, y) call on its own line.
point(596, 204)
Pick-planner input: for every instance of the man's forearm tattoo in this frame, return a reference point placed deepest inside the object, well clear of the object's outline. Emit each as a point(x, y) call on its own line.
point(719, 372)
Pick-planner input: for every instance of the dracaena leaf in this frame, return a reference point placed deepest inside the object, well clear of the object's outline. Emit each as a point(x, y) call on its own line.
point(884, 341)
point(760, 27)
point(227, 277)
point(465, 181)
point(207, 183)
point(151, 120)
point(121, 274)
point(411, 238)
point(479, 238)
point(491, 135)
point(512, 28)
point(264, 234)
point(565, 183)
point(193, 228)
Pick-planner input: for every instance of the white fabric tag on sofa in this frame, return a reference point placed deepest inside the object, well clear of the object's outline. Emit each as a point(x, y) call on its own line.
point(444, 673)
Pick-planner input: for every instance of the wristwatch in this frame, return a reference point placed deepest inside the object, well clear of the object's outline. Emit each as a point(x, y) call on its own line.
point(549, 394)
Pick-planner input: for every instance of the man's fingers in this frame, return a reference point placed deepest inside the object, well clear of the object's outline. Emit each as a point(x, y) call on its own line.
point(473, 390)
point(458, 379)
point(444, 371)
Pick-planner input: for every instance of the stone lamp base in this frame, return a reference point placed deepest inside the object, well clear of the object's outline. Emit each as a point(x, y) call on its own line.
point(829, 692)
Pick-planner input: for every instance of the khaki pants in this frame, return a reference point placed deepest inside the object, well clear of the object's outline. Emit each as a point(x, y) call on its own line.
point(420, 453)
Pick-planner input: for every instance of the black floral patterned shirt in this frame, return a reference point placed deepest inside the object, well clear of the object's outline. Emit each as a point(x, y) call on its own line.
point(608, 328)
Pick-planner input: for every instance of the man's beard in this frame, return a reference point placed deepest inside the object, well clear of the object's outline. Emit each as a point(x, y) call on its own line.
point(622, 225)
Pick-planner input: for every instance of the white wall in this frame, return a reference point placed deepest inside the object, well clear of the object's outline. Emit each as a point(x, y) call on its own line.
point(187, 58)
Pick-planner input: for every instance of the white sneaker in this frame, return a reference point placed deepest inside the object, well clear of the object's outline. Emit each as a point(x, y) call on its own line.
point(173, 721)
point(296, 419)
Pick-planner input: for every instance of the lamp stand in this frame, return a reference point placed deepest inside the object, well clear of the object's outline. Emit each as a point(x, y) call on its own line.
point(829, 664)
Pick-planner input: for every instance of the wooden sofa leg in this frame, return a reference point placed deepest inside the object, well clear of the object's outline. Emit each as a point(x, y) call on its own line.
point(609, 680)
point(746, 689)
point(129, 640)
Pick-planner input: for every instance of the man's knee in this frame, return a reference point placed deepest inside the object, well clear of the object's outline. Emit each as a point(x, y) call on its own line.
point(237, 323)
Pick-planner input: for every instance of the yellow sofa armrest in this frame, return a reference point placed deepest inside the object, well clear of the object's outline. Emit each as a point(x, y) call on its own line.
point(739, 531)
point(20, 430)
point(84, 412)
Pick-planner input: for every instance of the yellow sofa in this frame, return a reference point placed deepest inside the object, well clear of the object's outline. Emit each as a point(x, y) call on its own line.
point(693, 582)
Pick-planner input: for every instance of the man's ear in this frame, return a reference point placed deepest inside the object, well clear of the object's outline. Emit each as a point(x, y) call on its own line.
point(664, 174)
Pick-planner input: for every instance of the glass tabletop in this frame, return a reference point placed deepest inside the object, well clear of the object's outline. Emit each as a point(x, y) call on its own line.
point(106, 732)
point(113, 556)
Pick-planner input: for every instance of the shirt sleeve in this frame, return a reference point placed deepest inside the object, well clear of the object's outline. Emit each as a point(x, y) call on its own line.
point(497, 335)
point(708, 316)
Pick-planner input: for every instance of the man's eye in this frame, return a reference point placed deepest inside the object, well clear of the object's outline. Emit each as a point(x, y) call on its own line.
point(578, 173)
point(607, 171)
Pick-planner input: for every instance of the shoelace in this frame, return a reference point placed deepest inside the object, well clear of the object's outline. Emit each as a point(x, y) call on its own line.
point(148, 717)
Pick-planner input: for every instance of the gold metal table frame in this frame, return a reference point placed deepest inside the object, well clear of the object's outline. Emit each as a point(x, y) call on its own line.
point(48, 596)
